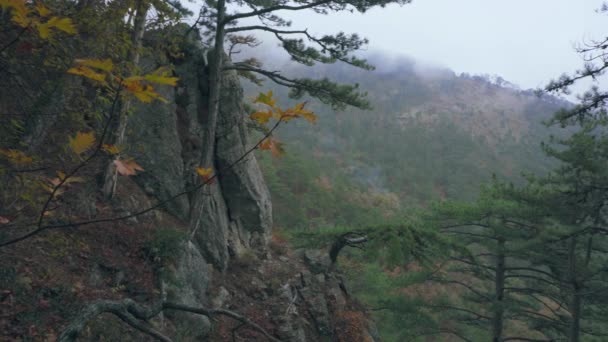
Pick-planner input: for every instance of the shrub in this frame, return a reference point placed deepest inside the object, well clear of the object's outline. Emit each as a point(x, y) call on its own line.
point(165, 245)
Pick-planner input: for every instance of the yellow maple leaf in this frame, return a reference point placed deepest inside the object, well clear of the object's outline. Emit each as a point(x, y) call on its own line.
point(204, 173)
point(298, 111)
point(88, 73)
point(43, 11)
point(172, 81)
point(16, 156)
point(101, 64)
point(82, 142)
point(44, 30)
point(161, 76)
point(63, 24)
point(261, 117)
point(266, 99)
point(111, 149)
point(144, 92)
point(147, 94)
point(310, 116)
point(21, 20)
point(20, 11)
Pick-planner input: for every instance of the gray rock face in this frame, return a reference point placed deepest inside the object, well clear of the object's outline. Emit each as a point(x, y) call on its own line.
point(166, 140)
point(153, 141)
point(209, 225)
point(235, 212)
point(243, 186)
point(225, 218)
point(188, 286)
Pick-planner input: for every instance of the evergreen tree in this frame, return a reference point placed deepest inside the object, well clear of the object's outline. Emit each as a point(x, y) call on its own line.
point(498, 231)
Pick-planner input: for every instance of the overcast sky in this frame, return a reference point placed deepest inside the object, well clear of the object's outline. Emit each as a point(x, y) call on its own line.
point(528, 42)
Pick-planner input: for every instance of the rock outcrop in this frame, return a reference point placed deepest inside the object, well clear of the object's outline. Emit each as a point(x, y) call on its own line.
point(226, 217)
point(210, 246)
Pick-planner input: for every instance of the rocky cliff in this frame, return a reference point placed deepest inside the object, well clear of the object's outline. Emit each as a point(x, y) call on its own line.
point(211, 247)
point(225, 218)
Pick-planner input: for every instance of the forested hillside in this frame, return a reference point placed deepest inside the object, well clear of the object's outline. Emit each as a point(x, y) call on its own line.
point(460, 207)
point(431, 134)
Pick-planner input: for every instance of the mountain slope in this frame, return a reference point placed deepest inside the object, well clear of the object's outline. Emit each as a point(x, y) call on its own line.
point(431, 134)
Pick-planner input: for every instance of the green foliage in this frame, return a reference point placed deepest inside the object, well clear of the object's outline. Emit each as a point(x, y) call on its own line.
point(165, 245)
point(318, 185)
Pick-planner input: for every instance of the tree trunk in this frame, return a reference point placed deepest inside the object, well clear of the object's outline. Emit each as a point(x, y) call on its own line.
point(499, 282)
point(576, 302)
point(215, 82)
point(137, 36)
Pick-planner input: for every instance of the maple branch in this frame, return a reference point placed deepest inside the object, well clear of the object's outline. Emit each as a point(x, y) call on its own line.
point(149, 209)
point(45, 207)
point(82, 163)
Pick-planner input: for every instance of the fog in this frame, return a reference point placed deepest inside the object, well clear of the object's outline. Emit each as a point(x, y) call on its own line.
point(525, 42)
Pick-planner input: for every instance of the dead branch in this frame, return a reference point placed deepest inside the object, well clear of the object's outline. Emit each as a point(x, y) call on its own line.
point(137, 316)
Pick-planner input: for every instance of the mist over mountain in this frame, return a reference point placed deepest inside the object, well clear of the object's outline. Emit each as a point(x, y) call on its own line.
point(431, 134)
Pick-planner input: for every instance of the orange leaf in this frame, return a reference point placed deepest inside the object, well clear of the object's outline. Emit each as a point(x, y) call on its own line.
point(275, 147)
point(306, 114)
point(204, 173)
point(127, 167)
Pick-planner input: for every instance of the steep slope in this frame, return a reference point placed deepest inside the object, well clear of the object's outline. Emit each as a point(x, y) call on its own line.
point(162, 237)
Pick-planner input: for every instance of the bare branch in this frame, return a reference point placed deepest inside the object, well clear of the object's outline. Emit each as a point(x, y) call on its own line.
point(137, 315)
point(223, 312)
